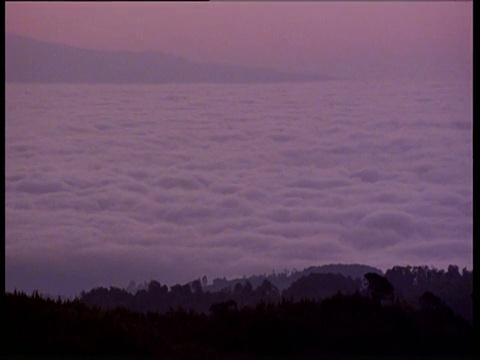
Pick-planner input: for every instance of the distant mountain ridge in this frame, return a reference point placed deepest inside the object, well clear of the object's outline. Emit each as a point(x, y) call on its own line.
point(32, 61)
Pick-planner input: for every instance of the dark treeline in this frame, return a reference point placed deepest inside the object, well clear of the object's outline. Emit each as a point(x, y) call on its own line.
point(406, 311)
point(160, 298)
point(336, 327)
point(452, 287)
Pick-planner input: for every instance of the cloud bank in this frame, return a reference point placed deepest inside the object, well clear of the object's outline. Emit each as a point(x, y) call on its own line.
point(107, 184)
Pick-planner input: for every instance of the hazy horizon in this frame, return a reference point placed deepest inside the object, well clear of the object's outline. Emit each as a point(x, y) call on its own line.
point(341, 39)
point(33, 61)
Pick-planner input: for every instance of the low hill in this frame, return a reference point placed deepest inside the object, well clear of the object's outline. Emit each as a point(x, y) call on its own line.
point(284, 280)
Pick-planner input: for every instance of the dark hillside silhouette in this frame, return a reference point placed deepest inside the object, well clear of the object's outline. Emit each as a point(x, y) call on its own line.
point(320, 286)
point(336, 327)
point(319, 315)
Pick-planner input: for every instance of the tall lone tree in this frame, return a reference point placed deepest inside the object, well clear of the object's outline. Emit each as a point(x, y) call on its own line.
point(379, 287)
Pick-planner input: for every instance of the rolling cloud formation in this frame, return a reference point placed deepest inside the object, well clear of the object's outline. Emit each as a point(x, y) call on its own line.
point(105, 184)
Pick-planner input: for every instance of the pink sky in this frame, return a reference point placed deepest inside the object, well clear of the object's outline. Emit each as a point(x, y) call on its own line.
point(311, 36)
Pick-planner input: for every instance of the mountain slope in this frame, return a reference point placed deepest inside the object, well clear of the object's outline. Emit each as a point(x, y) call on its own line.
point(32, 61)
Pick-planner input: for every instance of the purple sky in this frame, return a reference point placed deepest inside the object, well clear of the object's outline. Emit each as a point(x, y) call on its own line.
point(377, 38)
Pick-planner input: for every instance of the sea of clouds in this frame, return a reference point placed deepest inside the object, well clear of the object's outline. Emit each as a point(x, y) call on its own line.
point(111, 183)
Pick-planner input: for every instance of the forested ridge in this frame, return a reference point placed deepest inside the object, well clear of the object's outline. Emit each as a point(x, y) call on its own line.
point(406, 311)
point(454, 287)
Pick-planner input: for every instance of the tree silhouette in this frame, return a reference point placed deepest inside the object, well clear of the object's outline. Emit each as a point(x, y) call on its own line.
point(267, 290)
point(379, 287)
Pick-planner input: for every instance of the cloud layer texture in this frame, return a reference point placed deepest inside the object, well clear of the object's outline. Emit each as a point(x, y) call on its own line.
point(105, 184)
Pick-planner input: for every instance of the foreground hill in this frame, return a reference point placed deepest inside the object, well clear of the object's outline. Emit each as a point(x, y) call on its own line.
point(338, 327)
point(33, 61)
point(408, 311)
